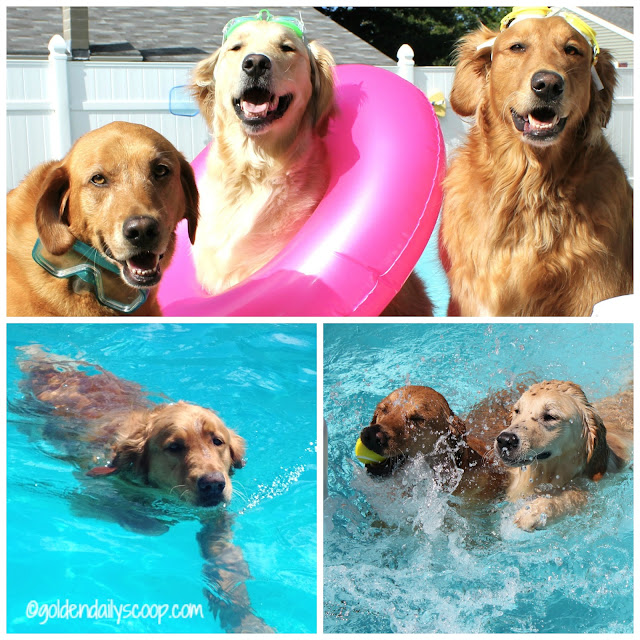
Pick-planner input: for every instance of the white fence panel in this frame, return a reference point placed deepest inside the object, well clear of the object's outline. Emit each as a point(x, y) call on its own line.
point(101, 92)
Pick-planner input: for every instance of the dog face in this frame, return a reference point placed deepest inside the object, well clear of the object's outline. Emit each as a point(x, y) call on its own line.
point(535, 80)
point(185, 450)
point(409, 421)
point(553, 424)
point(541, 78)
point(265, 79)
point(122, 189)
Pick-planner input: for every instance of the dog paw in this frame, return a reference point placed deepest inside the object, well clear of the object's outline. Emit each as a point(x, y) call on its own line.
point(531, 517)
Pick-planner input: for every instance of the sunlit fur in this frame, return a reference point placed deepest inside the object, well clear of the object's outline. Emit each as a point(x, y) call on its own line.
point(260, 187)
point(534, 229)
point(561, 437)
point(58, 203)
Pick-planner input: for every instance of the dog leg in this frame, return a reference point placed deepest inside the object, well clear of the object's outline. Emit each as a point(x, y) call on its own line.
point(545, 509)
point(226, 573)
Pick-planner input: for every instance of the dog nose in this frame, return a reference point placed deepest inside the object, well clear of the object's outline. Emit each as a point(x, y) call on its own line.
point(508, 441)
point(374, 438)
point(255, 65)
point(547, 85)
point(141, 231)
point(211, 484)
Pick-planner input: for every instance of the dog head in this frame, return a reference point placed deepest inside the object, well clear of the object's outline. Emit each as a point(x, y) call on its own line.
point(535, 79)
point(554, 424)
point(183, 449)
point(265, 80)
point(408, 422)
point(121, 189)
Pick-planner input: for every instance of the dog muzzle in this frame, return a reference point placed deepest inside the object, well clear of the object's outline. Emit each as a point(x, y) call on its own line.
point(366, 456)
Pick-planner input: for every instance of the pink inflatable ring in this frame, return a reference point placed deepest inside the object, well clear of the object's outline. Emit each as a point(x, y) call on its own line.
point(354, 253)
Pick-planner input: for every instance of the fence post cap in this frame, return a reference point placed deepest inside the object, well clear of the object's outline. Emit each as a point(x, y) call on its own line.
point(405, 53)
point(58, 46)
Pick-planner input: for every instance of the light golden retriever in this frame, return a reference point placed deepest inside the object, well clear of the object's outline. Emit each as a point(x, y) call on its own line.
point(267, 97)
point(417, 420)
point(556, 437)
point(125, 443)
point(121, 189)
point(537, 214)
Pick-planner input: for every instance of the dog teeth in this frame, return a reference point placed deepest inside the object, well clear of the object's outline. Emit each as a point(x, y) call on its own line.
point(537, 124)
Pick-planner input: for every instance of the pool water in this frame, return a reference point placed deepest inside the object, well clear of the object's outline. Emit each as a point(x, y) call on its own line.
point(402, 556)
point(261, 379)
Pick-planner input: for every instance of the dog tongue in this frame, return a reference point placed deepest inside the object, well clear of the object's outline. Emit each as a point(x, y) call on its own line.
point(252, 110)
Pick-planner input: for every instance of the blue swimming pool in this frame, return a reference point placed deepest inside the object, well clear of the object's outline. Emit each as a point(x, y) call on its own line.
point(261, 379)
point(398, 561)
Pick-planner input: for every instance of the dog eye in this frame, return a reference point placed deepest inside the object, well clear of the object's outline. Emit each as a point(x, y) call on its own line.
point(549, 417)
point(236, 47)
point(287, 48)
point(517, 47)
point(217, 441)
point(99, 180)
point(516, 410)
point(175, 447)
point(570, 50)
point(161, 170)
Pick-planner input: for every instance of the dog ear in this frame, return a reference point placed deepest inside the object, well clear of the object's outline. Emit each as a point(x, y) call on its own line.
point(472, 70)
point(323, 97)
point(52, 211)
point(188, 181)
point(601, 101)
point(595, 436)
point(237, 446)
point(203, 85)
point(131, 451)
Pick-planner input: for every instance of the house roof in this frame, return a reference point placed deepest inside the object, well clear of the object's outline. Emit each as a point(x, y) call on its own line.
point(621, 17)
point(177, 34)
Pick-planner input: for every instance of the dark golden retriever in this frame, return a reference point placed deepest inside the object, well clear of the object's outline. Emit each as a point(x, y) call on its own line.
point(554, 438)
point(121, 190)
point(537, 214)
point(416, 420)
point(125, 444)
point(267, 97)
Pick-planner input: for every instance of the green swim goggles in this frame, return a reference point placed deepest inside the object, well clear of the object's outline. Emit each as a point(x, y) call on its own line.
point(103, 277)
point(295, 24)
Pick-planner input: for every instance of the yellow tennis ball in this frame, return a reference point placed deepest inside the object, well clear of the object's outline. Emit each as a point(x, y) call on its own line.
point(366, 456)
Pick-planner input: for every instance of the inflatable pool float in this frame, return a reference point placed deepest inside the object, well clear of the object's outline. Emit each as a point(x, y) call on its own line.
point(387, 161)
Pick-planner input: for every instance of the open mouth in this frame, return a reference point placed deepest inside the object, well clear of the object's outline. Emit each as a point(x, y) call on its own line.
point(142, 270)
point(523, 462)
point(540, 125)
point(258, 107)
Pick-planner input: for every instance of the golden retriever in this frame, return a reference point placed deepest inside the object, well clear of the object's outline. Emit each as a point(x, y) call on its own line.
point(417, 420)
point(121, 189)
point(267, 97)
point(110, 429)
point(537, 213)
point(556, 437)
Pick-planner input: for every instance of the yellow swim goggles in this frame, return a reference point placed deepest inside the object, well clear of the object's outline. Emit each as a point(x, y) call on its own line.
point(103, 277)
point(295, 24)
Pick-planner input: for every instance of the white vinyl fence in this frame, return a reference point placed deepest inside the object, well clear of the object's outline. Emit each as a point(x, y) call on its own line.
point(51, 103)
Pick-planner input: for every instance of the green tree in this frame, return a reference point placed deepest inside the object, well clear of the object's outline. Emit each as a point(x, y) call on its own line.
point(432, 32)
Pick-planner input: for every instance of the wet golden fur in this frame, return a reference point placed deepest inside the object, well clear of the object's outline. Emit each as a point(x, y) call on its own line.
point(179, 448)
point(262, 185)
point(59, 203)
point(533, 229)
point(555, 437)
point(417, 420)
